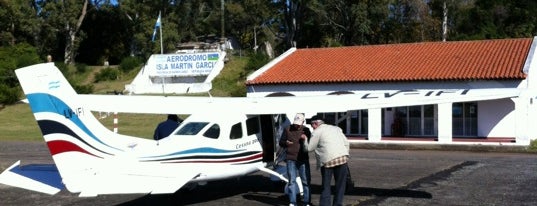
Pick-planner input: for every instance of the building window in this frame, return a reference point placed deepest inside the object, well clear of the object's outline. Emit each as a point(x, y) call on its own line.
point(409, 121)
point(465, 119)
point(357, 122)
point(414, 121)
point(429, 120)
point(399, 124)
point(353, 122)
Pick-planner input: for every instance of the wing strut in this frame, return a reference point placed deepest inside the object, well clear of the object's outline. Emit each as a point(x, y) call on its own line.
point(271, 172)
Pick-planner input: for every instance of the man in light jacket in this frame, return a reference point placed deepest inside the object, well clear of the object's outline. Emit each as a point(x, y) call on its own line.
point(332, 153)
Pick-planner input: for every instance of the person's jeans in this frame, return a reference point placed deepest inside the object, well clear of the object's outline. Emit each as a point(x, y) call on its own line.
point(340, 176)
point(294, 167)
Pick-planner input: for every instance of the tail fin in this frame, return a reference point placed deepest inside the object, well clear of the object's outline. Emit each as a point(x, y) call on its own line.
point(73, 135)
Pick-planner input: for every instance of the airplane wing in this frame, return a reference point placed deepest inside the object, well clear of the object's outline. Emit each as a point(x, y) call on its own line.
point(279, 105)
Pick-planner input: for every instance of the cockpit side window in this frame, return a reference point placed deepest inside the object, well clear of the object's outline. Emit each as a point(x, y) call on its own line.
point(252, 125)
point(236, 131)
point(192, 128)
point(213, 132)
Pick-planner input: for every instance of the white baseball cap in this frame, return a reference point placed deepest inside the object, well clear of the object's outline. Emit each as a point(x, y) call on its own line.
point(299, 119)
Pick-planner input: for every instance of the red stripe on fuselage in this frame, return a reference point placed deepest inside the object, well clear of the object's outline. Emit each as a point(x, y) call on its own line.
point(61, 146)
point(253, 157)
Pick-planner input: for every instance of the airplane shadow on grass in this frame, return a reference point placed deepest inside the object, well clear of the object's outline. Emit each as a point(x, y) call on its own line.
point(260, 189)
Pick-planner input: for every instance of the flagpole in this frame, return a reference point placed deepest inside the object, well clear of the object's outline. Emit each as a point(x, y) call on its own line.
point(160, 27)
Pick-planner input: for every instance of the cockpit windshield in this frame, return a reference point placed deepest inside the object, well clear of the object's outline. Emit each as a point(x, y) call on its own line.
point(192, 128)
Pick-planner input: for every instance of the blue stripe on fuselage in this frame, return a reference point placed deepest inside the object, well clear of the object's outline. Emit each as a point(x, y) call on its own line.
point(210, 150)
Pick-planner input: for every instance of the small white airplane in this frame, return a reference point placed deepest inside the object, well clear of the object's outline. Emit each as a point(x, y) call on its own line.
point(223, 137)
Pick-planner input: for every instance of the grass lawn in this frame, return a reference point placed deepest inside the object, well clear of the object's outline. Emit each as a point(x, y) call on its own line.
point(18, 123)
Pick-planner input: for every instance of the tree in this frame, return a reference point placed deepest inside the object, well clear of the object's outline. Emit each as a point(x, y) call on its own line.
point(19, 22)
point(11, 58)
point(497, 19)
point(251, 22)
point(292, 11)
point(65, 17)
point(108, 36)
point(404, 21)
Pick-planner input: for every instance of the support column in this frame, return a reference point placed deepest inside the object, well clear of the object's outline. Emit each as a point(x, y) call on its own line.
point(524, 119)
point(445, 123)
point(374, 124)
point(532, 118)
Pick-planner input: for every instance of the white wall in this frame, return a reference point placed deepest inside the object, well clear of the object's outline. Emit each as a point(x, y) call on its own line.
point(496, 118)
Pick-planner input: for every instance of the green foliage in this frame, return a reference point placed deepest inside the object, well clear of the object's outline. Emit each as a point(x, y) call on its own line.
point(230, 81)
point(81, 68)
point(108, 34)
point(27, 59)
point(11, 58)
point(129, 63)
point(20, 55)
point(256, 61)
point(533, 145)
point(107, 74)
point(64, 68)
point(84, 89)
point(9, 95)
point(113, 32)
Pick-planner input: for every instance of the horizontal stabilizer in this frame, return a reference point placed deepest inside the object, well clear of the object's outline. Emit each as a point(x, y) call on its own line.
point(43, 178)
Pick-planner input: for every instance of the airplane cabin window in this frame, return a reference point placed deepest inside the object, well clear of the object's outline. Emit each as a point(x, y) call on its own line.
point(252, 125)
point(236, 131)
point(192, 128)
point(213, 132)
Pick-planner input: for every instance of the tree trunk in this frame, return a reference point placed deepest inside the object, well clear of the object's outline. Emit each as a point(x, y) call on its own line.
point(444, 22)
point(71, 46)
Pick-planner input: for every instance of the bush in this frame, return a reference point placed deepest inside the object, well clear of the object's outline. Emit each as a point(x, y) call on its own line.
point(11, 58)
point(84, 89)
point(107, 74)
point(9, 95)
point(62, 67)
point(81, 68)
point(256, 61)
point(533, 145)
point(27, 59)
point(129, 63)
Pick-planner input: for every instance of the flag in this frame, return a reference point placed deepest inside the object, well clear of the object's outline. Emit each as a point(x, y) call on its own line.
point(157, 25)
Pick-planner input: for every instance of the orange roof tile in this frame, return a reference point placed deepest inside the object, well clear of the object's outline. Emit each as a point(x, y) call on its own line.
point(429, 61)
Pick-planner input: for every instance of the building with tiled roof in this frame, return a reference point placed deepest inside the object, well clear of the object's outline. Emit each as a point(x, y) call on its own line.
point(485, 64)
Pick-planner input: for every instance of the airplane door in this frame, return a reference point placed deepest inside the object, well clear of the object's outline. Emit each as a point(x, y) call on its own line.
point(268, 135)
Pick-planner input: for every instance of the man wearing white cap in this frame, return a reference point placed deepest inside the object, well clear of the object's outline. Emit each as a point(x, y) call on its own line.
point(297, 158)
